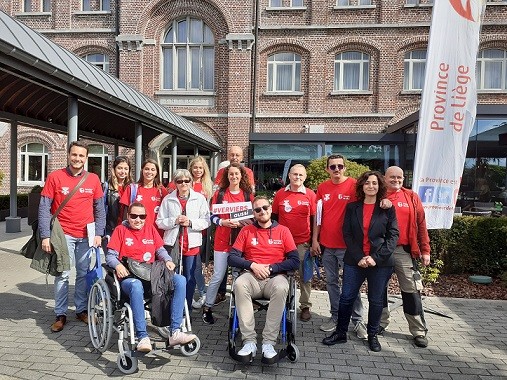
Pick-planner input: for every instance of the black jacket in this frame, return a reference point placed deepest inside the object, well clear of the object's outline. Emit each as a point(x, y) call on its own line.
point(383, 234)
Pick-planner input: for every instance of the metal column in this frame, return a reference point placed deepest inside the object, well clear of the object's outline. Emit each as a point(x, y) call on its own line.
point(13, 222)
point(139, 149)
point(72, 112)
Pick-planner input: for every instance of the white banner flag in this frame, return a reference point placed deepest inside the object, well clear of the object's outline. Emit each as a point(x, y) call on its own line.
point(448, 107)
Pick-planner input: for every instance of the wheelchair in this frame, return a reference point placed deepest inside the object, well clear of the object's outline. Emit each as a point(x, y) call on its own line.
point(287, 325)
point(108, 310)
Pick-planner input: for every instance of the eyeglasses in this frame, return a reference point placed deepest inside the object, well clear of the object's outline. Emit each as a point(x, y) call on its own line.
point(258, 209)
point(180, 181)
point(334, 167)
point(140, 216)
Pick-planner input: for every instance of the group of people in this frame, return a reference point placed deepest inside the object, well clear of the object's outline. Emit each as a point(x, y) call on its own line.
point(366, 228)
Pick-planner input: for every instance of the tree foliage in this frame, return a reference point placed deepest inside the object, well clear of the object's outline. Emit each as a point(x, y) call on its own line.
point(316, 171)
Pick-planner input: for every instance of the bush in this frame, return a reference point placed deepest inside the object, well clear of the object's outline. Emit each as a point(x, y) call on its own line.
point(316, 171)
point(5, 201)
point(2, 175)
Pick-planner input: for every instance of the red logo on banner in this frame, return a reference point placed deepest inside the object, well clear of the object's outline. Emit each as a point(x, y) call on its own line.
point(461, 10)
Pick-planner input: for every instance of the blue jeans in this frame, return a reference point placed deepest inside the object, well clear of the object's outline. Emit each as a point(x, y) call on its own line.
point(353, 278)
point(134, 289)
point(199, 277)
point(332, 259)
point(189, 268)
point(80, 257)
point(219, 270)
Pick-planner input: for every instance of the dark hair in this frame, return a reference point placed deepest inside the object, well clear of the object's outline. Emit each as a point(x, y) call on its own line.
point(244, 183)
point(261, 197)
point(136, 204)
point(78, 144)
point(156, 181)
point(382, 187)
point(334, 157)
point(113, 183)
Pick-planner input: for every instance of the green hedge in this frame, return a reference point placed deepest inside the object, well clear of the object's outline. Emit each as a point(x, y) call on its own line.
point(5, 201)
point(475, 245)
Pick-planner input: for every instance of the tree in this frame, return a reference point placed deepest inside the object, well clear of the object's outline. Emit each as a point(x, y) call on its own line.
point(316, 171)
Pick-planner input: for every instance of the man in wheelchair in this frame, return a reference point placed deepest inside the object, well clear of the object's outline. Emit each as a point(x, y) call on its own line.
point(142, 242)
point(266, 251)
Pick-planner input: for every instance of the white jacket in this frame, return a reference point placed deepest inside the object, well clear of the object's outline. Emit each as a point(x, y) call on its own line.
point(197, 210)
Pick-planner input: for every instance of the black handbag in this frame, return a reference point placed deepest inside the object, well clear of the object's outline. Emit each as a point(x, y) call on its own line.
point(141, 270)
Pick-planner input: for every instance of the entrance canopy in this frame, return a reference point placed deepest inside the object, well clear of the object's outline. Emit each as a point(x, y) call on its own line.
point(38, 78)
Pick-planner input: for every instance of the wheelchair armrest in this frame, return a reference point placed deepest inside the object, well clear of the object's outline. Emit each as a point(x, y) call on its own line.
point(108, 269)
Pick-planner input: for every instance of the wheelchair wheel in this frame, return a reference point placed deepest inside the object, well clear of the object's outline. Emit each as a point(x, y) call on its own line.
point(100, 316)
point(192, 348)
point(129, 366)
point(292, 352)
point(163, 332)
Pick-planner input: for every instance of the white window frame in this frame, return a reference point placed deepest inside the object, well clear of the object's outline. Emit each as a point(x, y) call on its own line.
point(104, 6)
point(482, 66)
point(101, 64)
point(25, 163)
point(408, 75)
point(206, 83)
point(340, 62)
point(274, 4)
point(104, 159)
point(415, 3)
point(275, 62)
point(353, 3)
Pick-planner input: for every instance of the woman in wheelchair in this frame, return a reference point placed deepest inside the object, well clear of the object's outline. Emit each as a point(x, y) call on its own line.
point(139, 241)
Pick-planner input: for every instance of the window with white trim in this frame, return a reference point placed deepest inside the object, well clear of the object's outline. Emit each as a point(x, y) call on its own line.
point(34, 162)
point(418, 2)
point(353, 3)
point(36, 5)
point(352, 71)
point(96, 5)
point(188, 54)
point(286, 3)
point(492, 69)
point(97, 161)
point(284, 72)
point(414, 67)
point(99, 60)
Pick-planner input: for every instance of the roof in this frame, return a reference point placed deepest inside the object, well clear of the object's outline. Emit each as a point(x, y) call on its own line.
point(37, 77)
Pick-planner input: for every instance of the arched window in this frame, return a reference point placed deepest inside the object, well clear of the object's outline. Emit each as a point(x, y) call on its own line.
point(97, 161)
point(34, 162)
point(99, 60)
point(414, 66)
point(284, 72)
point(351, 71)
point(492, 69)
point(188, 54)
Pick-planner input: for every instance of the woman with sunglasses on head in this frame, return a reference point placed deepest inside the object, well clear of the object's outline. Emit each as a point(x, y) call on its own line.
point(370, 234)
point(203, 184)
point(235, 187)
point(184, 214)
point(148, 190)
point(138, 240)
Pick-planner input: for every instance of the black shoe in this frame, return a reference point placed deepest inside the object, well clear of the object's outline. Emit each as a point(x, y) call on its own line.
point(374, 343)
point(207, 316)
point(220, 298)
point(381, 330)
point(421, 341)
point(336, 337)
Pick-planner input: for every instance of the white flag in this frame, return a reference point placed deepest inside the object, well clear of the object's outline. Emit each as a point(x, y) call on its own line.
point(448, 107)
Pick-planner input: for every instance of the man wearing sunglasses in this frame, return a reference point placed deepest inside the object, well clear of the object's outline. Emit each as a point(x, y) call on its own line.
point(266, 251)
point(335, 194)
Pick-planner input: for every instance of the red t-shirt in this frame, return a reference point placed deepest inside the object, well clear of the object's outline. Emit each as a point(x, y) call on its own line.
point(402, 208)
point(367, 214)
point(186, 252)
point(249, 173)
point(265, 245)
point(294, 210)
point(139, 245)
point(150, 197)
point(78, 211)
point(335, 198)
point(223, 234)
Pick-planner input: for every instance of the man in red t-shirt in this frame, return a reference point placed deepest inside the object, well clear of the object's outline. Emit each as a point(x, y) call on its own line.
point(413, 245)
point(235, 155)
point(294, 207)
point(84, 207)
point(266, 250)
point(333, 195)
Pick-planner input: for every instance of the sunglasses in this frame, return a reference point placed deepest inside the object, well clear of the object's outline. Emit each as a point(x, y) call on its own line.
point(180, 181)
point(140, 216)
point(259, 209)
point(334, 167)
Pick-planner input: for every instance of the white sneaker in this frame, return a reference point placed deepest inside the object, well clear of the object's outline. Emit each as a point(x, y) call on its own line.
point(268, 351)
point(329, 325)
point(199, 303)
point(144, 345)
point(248, 348)
point(360, 330)
point(181, 338)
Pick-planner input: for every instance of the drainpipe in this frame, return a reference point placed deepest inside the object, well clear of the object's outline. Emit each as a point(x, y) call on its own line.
point(117, 21)
point(254, 65)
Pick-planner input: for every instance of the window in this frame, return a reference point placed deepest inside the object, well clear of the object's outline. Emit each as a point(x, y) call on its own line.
point(351, 71)
point(46, 5)
point(284, 72)
point(96, 5)
point(285, 3)
point(353, 3)
point(34, 163)
point(99, 60)
point(418, 2)
point(492, 69)
point(27, 5)
point(97, 161)
point(414, 66)
point(189, 56)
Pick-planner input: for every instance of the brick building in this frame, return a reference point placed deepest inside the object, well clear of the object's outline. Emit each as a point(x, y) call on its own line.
point(285, 79)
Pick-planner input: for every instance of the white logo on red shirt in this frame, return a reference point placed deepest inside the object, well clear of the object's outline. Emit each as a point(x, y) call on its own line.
point(129, 241)
point(65, 190)
point(327, 197)
point(148, 241)
point(147, 256)
point(254, 241)
point(153, 198)
point(402, 204)
point(287, 206)
point(344, 197)
point(274, 242)
point(139, 198)
point(81, 190)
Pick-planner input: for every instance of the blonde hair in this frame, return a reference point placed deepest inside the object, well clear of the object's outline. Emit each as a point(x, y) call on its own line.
point(207, 184)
